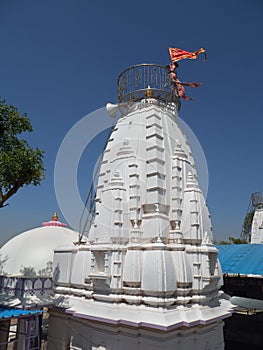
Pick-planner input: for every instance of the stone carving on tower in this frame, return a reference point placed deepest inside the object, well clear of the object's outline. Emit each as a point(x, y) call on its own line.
point(149, 266)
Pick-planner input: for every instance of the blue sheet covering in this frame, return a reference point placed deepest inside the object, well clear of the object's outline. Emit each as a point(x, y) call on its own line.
point(10, 313)
point(244, 259)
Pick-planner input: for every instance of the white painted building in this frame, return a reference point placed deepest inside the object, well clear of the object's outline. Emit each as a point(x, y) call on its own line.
point(148, 277)
point(257, 222)
point(26, 283)
point(26, 260)
point(257, 227)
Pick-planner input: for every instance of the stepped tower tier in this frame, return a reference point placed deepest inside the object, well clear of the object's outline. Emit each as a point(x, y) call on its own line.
point(149, 263)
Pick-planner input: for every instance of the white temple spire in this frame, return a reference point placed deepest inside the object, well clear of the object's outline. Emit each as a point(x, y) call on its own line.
point(150, 263)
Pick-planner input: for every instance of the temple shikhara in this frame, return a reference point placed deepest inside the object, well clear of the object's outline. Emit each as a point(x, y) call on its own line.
point(143, 273)
point(148, 274)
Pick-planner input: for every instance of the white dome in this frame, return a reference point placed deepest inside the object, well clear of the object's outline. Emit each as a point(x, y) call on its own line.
point(31, 252)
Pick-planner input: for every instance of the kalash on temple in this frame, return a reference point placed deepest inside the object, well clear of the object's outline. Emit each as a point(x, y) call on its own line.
point(148, 276)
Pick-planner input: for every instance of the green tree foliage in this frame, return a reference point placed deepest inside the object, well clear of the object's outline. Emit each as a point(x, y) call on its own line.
point(234, 240)
point(20, 164)
point(221, 242)
point(231, 240)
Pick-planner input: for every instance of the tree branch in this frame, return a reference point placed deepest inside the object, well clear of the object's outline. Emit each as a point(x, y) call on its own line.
point(8, 194)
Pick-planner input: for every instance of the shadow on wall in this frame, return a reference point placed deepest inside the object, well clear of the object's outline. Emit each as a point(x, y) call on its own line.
point(30, 271)
point(56, 274)
point(3, 261)
point(27, 271)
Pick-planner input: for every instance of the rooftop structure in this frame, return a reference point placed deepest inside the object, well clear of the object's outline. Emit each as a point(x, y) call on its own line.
point(23, 334)
point(26, 264)
point(242, 266)
point(26, 283)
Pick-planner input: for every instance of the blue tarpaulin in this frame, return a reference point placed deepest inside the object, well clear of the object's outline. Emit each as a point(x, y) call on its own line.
point(243, 259)
point(10, 313)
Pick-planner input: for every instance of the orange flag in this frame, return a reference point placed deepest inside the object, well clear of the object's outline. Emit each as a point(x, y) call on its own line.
point(179, 54)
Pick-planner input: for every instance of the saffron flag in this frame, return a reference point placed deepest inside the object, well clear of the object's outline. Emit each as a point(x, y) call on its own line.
point(181, 90)
point(179, 54)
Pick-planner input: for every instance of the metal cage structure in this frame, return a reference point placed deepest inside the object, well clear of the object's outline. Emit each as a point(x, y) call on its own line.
point(257, 199)
point(147, 81)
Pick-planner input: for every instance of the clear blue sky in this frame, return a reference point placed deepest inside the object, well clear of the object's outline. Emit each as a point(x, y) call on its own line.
point(60, 60)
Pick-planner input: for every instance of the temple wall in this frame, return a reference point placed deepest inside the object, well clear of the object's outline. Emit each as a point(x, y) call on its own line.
point(86, 335)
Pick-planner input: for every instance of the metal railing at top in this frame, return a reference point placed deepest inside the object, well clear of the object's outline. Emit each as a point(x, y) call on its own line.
point(136, 81)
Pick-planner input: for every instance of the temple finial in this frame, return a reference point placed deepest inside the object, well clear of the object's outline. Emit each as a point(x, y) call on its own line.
point(149, 92)
point(54, 221)
point(55, 217)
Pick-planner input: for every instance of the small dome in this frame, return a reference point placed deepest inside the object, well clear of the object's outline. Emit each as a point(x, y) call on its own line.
point(31, 253)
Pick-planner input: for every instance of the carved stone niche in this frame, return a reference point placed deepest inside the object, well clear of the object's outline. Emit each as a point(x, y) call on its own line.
point(100, 276)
